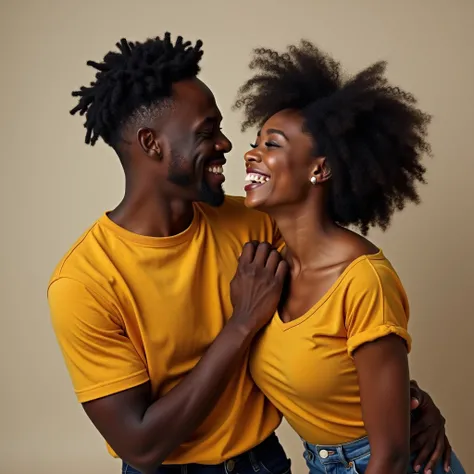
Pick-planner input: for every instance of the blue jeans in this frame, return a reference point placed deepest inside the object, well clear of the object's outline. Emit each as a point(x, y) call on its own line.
point(266, 458)
point(353, 458)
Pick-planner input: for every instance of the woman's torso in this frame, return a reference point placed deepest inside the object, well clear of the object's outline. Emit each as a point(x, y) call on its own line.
point(305, 366)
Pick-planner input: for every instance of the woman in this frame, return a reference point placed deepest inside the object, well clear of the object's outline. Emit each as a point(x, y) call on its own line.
point(334, 152)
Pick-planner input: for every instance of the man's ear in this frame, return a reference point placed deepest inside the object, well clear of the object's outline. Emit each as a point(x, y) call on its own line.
point(320, 171)
point(149, 143)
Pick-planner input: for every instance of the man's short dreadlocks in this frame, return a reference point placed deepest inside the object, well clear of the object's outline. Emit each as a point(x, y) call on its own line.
point(372, 134)
point(140, 75)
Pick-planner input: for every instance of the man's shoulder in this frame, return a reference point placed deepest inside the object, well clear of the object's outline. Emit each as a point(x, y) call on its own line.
point(80, 256)
point(234, 220)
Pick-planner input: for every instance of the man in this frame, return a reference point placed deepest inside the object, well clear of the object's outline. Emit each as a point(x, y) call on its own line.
point(154, 335)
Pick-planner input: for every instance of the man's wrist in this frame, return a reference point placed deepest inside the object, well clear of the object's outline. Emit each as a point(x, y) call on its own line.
point(241, 327)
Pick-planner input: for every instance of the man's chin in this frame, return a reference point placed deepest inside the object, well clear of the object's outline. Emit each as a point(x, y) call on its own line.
point(214, 198)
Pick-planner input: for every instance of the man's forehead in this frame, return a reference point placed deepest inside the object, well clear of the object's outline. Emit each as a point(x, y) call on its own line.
point(194, 93)
point(194, 107)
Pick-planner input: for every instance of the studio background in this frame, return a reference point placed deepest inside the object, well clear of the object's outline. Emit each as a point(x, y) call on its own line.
point(53, 186)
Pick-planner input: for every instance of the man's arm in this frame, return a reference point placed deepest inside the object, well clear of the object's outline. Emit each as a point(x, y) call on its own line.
point(141, 431)
point(428, 435)
point(144, 433)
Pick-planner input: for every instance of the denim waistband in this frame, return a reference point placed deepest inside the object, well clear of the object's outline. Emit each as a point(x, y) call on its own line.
point(345, 452)
point(249, 461)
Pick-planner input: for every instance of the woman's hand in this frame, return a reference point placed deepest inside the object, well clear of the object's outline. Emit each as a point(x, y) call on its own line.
point(428, 437)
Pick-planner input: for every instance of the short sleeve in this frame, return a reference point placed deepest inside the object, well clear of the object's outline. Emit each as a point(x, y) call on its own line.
point(376, 305)
point(100, 358)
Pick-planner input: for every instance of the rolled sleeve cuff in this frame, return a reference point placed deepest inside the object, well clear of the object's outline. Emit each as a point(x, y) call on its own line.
point(373, 334)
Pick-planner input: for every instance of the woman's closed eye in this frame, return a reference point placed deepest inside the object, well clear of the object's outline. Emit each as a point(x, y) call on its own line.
point(267, 144)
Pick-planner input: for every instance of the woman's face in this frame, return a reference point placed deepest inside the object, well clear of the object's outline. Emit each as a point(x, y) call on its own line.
point(280, 164)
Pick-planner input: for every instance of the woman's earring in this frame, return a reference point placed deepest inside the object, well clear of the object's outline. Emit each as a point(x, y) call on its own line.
point(313, 180)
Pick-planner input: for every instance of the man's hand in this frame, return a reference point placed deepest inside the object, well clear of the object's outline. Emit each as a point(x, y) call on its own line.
point(257, 285)
point(428, 437)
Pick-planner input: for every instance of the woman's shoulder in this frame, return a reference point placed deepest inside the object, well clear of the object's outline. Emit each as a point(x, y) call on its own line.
point(365, 264)
point(357, 245)
point(372, 273)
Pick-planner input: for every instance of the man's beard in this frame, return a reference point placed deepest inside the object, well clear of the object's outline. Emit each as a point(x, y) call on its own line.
point(185, 179)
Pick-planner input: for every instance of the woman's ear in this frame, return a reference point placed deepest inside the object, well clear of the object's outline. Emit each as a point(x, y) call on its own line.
point(320, 171)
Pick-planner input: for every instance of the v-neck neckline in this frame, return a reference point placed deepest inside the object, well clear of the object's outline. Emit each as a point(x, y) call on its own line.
point(300, 319)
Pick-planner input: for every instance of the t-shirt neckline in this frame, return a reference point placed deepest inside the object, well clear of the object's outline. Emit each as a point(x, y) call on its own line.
point(149, 241)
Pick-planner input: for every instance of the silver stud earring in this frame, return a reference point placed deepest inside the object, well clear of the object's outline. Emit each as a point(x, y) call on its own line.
point(313, 180)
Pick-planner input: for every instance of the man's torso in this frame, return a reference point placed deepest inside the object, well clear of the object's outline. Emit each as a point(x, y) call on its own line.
point(171, 298)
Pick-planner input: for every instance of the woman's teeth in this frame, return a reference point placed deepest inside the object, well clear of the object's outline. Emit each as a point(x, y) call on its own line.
point(256, 178)
point(215, 169)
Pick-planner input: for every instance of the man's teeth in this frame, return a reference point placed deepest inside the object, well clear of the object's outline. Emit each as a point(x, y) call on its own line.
point(215, 169)
point(256, 178)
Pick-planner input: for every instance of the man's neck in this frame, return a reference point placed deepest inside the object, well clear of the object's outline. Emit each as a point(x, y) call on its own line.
point(152, 214)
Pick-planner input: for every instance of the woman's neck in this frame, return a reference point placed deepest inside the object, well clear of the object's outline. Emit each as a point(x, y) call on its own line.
point(307, 232)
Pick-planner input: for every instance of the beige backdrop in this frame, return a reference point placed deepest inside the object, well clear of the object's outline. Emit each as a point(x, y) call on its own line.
point(53, 186)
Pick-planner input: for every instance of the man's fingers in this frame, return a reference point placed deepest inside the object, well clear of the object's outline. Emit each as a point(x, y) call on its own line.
point(447, 454)
point(423, 456)
point(281, 272)
point(436, 455)
point(416, 395)
point(414, 404)
point(273, 260)
point(262, 253)
point(248, 251)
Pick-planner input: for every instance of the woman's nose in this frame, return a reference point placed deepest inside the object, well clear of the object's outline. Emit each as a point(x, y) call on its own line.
point(252, 156)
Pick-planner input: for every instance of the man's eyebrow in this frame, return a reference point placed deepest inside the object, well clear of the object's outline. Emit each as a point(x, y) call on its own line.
point(211, 120)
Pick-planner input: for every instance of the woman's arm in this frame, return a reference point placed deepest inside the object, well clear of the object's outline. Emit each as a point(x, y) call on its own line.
point(384, 380)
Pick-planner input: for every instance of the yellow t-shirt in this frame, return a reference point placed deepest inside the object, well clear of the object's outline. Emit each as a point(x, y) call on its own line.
point(305, 366)
point(128, 309)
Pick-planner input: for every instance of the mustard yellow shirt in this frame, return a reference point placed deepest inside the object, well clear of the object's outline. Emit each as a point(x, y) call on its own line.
point(305, 367)
point(129, 309)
